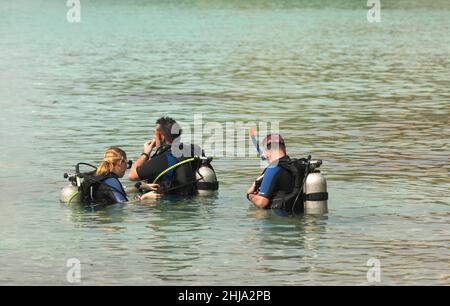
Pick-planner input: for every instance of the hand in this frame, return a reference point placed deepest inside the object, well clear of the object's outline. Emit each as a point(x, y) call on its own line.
point(151, 195)
point(151, 187)
point(149, 145)
point(252, 189)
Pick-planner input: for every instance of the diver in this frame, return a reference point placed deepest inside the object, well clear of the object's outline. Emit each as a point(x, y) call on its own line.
point(103, 186)
point(290, 186)
point(174, 163)
point(278, 179)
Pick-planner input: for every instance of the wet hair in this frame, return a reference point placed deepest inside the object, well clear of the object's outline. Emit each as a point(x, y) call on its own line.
point(167, 126)
point(112, 156)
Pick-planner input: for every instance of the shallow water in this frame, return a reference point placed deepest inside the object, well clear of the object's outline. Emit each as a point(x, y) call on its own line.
point(371, 100)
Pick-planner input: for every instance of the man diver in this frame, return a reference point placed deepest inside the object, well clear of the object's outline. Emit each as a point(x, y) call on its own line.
point(277, 180)
point(179, 180)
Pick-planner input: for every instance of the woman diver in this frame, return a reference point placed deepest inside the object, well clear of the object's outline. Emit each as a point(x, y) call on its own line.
point(104, 186)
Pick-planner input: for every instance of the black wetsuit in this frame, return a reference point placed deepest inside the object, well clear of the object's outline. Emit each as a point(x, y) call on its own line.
point(151, 168)
point(180, 180)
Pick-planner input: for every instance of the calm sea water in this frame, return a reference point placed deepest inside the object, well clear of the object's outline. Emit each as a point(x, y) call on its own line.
point(370, 99)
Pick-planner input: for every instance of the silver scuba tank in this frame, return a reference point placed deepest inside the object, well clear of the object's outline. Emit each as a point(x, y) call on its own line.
point(70, 194)
point(315, 191)
point(206, 178)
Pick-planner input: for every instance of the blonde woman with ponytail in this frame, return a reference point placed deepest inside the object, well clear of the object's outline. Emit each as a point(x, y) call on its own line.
point(113, 167)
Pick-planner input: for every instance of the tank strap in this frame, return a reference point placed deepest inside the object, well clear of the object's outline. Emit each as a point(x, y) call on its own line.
point(208, 185)
point(318, 196)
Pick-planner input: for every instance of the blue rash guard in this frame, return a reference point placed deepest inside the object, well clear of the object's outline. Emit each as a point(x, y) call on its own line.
point(276, 179)
point(119, 197)
point(171, 160)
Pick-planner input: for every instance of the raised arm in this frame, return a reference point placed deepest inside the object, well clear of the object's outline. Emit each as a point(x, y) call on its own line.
point(148, 147)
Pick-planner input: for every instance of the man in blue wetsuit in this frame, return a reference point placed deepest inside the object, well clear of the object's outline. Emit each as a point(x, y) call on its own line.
point(277, 180)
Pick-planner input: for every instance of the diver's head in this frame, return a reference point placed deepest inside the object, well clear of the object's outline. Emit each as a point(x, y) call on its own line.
point(169, 129)
point(274, 147)
point(114, 161)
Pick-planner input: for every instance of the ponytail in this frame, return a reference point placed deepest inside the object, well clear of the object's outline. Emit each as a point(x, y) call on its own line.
point(111, 157)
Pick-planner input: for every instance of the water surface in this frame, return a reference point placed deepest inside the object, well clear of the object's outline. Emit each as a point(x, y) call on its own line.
point(371, 100)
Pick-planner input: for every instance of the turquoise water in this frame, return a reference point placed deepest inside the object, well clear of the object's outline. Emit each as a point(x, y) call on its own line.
point(370, 99)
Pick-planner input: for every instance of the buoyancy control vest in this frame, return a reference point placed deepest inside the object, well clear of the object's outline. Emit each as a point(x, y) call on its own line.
point(309, 193)
point(188, 177)
point(94, 190)
point(292, 201)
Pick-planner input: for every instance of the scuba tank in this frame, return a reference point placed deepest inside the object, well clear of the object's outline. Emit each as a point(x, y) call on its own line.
point(315, 190)
point(205, 177)
point(72, 192)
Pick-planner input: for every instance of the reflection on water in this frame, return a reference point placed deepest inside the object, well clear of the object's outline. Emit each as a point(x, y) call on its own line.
point(370, 100)
point(108, 218)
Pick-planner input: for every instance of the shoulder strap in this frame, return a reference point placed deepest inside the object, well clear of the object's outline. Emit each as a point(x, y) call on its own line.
point(290, 167)
point(90, 181)
point(161, 150)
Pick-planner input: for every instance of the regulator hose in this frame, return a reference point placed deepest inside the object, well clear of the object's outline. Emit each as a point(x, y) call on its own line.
point(172, 167)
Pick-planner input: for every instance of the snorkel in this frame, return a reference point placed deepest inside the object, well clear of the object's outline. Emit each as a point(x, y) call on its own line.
point(251, 132)
point(159, 143)
point(158, 139)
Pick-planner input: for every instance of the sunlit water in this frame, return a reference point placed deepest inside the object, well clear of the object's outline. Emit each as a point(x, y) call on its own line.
point(370, 99)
